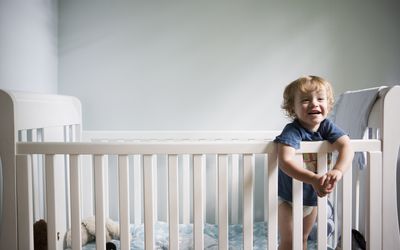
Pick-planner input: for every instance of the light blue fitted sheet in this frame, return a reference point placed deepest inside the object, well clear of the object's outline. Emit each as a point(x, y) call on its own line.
point(210, 237)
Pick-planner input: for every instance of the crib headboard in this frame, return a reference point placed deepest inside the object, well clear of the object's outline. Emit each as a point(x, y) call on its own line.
point(27, 116)
point(385, 117)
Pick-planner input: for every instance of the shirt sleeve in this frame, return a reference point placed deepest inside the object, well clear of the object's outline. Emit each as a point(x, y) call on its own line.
point(290, 136)
point(331, 131)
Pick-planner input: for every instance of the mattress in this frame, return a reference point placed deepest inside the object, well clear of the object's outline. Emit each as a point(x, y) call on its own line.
point(210, 236)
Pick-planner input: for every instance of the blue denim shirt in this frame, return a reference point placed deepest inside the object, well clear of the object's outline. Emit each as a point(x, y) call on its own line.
point(292, 135)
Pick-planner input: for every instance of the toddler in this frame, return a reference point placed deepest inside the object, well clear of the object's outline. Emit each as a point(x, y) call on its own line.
point(307, 100)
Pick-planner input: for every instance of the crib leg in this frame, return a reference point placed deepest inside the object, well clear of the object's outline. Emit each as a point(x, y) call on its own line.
point(25, 207)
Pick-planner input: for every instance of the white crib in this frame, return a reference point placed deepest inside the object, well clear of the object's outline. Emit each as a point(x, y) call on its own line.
point(45, 156)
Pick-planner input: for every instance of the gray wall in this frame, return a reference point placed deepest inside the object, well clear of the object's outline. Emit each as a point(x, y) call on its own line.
point(213, 65)
point(28, 45)
point(28, 49)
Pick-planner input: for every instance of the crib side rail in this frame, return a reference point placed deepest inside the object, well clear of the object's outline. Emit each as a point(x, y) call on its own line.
point(197, 149)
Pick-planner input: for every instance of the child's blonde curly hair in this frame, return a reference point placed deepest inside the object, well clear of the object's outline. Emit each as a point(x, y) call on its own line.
point(305, 84)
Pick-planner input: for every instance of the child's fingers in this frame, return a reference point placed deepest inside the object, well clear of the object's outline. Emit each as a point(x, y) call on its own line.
point(327, 180)
point(330, 189)
point(322, 180)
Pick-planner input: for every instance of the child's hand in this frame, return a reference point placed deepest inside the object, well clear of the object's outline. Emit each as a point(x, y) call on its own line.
point(332, 177)
point(319, 185)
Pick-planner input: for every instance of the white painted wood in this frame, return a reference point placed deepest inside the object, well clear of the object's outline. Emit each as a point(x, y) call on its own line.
point(182, 147)
point(298, 209)
point(248, 200)
point(188, 135)
point(185, 190)
point(198, 201)
point(99, 202)
point(137, 191)
point(87, 184)
point(148, 201)
point(41, 182)
point(155, 183)
point(173, 201)
point(56, 134)
point(25, 111)
point(214, 193)
point(51, 202)
point(390, 147)
point(75, 202)
point(346, 210)
point(25, 206)
point(106, 186)
point(322, 205)
point(273, 200)
point(44, 110)
point(374, 225)
point(124, 220)
point(36, 182)
point(223, 202)
point(162, 188)
point(8, 137)
point(235, 189)
point(67, 177)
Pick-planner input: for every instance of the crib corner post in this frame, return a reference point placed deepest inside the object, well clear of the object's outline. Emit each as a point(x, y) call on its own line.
point(374, 206)
point(24, 202)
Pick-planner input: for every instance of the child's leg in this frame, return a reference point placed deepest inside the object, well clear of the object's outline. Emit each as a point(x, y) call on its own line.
point(285, 225)
point(308, 223)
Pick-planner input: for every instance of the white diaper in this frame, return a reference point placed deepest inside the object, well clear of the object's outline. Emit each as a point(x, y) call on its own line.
point(307, 210)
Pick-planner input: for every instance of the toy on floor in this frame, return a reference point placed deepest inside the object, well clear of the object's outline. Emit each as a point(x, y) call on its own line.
point(40, 235)
point(88, 231)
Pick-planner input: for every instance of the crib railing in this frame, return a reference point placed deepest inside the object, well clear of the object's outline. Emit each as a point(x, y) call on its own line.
point(197, 149)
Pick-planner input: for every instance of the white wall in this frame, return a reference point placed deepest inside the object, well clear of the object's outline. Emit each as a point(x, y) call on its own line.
point(28, 45)
point(213, 65)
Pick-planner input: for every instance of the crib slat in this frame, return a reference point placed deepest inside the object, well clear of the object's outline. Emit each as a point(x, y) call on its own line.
point(322, 206)
point(25, 206)
point(248, 190)
point(154, 161)
point(346, 210)
point(173, 200)
point(374, 226)
point(123, 180)
point(273, 201)
point(223, 202)
point(137, 189)
point(36, 181)
point(87, 185)
point(148, 201)
point(198, 201)
point(298, 209)
point(235, 189)
point(185, 189)
point(75, 202)
point(106, 170)
point(51, 203)
point(99, 206)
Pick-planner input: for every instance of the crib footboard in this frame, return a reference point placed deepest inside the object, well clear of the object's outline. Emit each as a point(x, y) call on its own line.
point(232, 159)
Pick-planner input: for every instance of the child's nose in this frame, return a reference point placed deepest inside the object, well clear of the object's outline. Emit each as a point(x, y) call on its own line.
point(314, 102)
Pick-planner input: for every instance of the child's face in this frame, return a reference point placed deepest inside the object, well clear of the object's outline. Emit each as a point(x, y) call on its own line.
point(311, 108)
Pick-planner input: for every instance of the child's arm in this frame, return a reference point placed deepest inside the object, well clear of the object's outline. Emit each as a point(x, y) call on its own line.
point(345, 157)
point(291, 167)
